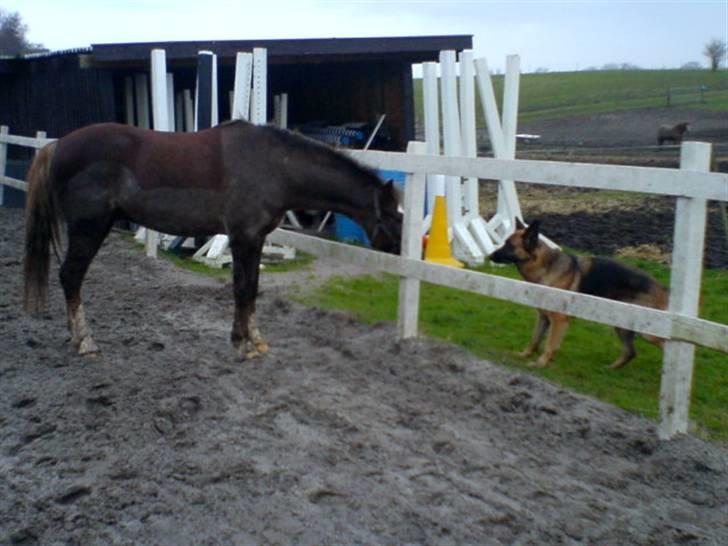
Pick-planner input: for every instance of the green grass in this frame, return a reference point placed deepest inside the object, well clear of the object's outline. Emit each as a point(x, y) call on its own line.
point(496, 330)
point(565, 94)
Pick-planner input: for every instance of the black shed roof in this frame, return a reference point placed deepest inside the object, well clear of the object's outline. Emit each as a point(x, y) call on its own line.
point(410, 48)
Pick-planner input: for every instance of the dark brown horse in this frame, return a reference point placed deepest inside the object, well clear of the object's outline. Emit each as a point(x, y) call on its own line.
point(674, 133)
point(237, 179)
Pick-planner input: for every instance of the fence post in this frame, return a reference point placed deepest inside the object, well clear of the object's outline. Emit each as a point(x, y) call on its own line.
point(408, 309)
point(3, 162)
point(687, 268)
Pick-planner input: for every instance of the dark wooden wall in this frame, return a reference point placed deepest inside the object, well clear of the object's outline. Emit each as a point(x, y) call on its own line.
point(55, 95)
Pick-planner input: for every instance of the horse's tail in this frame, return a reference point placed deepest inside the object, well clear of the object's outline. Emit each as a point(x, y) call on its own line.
point(42, 229)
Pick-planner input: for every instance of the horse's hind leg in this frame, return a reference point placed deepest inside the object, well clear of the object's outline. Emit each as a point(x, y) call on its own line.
point(84, 240)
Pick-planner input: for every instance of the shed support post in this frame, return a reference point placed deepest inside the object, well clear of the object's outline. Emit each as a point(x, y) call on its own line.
point(129, 100)
point(408, 309)
point(687, 269)
point(142, 100)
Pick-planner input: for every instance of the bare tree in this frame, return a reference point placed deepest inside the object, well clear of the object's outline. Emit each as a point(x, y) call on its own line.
point(13, 41)
point(715, 51)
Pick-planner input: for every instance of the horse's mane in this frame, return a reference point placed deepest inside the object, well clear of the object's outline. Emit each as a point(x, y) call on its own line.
point(312, 146)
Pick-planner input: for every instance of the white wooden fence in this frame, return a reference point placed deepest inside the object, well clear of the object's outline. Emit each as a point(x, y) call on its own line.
point(692, 186)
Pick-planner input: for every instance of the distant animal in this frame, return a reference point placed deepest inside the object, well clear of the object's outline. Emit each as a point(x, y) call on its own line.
point(539, 263)
point(238, 179)
point(674, 133)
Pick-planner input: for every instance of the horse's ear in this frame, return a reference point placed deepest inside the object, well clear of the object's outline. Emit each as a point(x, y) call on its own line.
point(391, 189)
point(519, 224)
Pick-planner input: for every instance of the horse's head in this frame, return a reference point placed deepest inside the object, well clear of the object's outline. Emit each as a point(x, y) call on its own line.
point(385, 226)
point(683, 127)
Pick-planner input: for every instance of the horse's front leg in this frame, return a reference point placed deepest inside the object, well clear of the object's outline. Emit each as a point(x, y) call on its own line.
point(245, 335)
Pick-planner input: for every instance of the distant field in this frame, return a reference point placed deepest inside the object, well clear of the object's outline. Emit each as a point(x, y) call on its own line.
point(563, 94)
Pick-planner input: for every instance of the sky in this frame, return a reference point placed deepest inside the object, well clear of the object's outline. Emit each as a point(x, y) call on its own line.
point(547, 34)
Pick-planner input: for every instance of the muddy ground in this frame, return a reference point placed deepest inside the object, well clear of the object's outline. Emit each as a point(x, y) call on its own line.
point(340, 435)
point(635, 225)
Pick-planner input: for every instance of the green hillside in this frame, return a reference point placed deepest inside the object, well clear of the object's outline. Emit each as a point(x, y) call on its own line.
point(563, 94)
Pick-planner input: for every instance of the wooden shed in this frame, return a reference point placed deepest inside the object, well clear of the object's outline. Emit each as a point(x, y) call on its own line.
point(332, 81)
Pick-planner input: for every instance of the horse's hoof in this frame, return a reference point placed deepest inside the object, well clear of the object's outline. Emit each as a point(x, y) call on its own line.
point(88, 348)
point(262, 347)
point(538, 364)
point(247, 351)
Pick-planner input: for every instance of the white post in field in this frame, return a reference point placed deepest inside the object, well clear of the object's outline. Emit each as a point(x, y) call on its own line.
point(241, 87)
point(451, 132)
point(170, 102)
point(507, 188)
point(215, 115)
point(160, 118)
point(502, 142)
point(188, 106)
point(685, 282)
point(280, 110)
point(471, 204)
point(431, 103)
point(409, 288)
point(259, 113)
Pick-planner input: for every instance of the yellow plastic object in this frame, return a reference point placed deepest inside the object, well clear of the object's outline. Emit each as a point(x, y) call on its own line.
point(438, 246)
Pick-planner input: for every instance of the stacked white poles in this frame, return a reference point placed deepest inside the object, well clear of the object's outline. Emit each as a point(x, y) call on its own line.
point(473, 238)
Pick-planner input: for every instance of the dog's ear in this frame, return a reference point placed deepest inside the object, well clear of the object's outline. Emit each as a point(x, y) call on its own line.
point(530, 238)
point(519, 224)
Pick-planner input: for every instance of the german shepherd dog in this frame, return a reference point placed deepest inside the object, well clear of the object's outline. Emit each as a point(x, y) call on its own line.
point(538, 263)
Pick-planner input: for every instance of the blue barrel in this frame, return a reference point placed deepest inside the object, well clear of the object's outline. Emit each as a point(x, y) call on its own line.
point(347, 230)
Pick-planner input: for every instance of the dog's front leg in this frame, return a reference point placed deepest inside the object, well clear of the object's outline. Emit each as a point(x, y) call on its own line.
point(539, 330)
point(559, 323)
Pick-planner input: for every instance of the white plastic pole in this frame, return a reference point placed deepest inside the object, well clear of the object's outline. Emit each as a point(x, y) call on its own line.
point(241, 88)
point(160, 117)
point(467, 124)
point(259, 114)
point(431, 103)
point(507, 190)
point(160, 110)
point(189, 110)
point(451, 132)
point(170, 102)
point(215, 117)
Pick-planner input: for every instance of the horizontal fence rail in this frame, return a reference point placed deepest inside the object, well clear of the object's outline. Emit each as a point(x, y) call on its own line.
point(37, 142)
point(662, 181)
point(613, 313)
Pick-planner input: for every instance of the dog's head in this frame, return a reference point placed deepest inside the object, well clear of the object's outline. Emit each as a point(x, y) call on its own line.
point(519, 247)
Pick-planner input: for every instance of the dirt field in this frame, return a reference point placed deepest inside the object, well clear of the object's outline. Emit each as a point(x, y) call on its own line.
point(638, 226)
point(339, 435)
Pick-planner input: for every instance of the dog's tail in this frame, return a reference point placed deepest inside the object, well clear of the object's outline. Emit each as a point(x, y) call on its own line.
point(42, 229)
